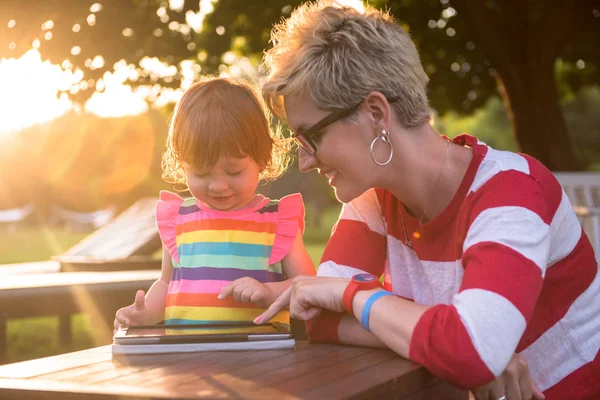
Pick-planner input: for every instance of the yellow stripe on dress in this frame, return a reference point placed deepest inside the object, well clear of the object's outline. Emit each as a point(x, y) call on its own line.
point(213, 236)
point(221, 314)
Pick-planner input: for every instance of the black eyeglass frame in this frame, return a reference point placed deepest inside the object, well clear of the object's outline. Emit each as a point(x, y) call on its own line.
point(315, 131)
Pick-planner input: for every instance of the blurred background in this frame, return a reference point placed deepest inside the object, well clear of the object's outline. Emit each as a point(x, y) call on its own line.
point(87, 88)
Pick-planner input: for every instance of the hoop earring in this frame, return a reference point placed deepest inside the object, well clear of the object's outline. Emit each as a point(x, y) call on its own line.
point(385, 138)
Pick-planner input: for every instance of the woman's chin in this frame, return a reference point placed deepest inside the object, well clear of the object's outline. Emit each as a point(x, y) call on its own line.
point(346, 194)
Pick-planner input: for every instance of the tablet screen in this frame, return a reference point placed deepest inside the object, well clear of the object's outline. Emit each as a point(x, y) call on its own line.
point(201, 330)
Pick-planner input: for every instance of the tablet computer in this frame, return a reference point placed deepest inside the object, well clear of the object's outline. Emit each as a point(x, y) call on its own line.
point(201, 333)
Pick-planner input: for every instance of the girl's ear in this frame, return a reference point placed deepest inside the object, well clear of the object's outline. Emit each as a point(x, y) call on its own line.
point(379, 111)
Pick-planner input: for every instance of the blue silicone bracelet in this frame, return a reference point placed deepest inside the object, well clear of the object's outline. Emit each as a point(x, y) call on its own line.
point(366, 311)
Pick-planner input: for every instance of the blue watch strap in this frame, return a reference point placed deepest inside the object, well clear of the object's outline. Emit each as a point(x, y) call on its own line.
point(366, 311)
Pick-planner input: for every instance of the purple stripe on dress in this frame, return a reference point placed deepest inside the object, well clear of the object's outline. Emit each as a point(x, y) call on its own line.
point(224, 274)
point(188, 209)
point(268, 209)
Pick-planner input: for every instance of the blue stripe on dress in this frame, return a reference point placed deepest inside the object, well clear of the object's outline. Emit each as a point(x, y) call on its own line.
point(224, 248)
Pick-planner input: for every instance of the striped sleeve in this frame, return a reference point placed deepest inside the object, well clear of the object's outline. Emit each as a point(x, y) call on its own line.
point(357, 242)
point(505, 255)
point(357, 245)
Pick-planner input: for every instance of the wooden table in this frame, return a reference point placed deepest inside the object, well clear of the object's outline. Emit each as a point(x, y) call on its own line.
point(310, 371)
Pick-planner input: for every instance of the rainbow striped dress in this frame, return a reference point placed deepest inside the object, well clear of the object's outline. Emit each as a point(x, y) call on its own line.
point(211, 248)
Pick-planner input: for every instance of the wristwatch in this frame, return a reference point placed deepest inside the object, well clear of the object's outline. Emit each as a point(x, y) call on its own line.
point(358, 282)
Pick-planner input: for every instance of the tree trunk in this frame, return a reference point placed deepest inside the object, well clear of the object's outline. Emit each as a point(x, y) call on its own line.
point(522, 40)
point(529, 93)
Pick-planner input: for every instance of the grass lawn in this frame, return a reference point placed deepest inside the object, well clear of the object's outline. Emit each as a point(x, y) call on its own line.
point(38, 337)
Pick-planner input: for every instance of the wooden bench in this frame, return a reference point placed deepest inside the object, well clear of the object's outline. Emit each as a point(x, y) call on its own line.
point(74, 282)
point(98, 294)
point(583, 190)
point(125, 243)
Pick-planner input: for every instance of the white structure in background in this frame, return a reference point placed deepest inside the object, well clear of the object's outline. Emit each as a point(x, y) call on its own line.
point(11, 218)
point(583, 189)
point(82, 220)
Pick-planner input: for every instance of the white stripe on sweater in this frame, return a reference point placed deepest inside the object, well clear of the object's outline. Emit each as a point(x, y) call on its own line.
point(494, 324)
point(495, 162)
point(333, 269)
point(427, 282)
point(365, 208)
point(571, 343)
point(515, 227)
point(565, 231)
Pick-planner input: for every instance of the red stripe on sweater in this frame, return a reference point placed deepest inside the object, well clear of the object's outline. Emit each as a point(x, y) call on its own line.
point(564, 282)
point(435, 244)
point(582, 384)
point(547, 181)
point(324, 328)
point(353, 244)
point(449, 355)
point(511, 188)
point(500, 269)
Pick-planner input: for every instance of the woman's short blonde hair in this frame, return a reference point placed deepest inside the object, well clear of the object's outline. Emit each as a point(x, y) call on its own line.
point(222, 116)
point(338, 55)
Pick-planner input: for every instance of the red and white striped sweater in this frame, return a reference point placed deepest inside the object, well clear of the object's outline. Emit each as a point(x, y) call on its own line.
point(506, 267)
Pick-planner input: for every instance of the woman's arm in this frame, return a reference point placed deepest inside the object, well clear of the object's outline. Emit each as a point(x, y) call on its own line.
point(357, 245)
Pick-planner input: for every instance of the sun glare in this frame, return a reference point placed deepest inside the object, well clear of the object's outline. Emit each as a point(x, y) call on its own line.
point(30, 93)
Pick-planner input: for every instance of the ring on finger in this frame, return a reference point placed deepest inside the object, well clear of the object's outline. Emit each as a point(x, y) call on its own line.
point(502, 398)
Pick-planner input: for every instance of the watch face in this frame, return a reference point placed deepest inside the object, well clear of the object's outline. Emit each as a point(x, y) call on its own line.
point(364, 278)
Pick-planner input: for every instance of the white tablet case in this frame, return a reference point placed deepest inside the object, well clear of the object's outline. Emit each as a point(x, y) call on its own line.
point(194, 347)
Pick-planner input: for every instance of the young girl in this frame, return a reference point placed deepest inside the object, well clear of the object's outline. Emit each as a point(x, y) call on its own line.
point(228, 252)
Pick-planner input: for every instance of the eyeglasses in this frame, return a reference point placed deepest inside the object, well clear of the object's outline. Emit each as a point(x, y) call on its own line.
point(306, 139)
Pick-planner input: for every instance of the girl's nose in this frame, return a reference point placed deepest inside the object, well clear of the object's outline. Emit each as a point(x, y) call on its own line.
point(306, 162)
point(217, 186)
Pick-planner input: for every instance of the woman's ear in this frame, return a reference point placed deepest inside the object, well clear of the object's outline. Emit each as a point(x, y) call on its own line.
point(379, 110)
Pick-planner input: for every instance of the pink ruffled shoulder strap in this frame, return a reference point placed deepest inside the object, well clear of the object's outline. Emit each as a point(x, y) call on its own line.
point(290, 218)
point(167, 209)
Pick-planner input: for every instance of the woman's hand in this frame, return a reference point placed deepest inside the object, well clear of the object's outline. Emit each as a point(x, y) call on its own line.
point(134, 314)
point(514, 384)
point(307, 297)
point(248, 290)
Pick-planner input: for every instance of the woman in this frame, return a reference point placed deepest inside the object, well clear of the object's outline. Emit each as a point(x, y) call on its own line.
point(480, 248)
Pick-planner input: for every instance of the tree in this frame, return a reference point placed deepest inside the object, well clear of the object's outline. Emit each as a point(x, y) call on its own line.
point(470, 50)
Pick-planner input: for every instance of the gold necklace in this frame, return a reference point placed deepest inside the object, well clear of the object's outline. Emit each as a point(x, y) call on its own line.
point(408, 241)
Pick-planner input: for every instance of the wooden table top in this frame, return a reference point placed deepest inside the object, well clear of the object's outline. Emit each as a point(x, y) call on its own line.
point(310, 371)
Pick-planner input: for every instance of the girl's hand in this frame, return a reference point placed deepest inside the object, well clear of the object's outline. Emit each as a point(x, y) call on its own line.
point(514, 384)
point(307, 297)
point(134, 314)
point(248, 290)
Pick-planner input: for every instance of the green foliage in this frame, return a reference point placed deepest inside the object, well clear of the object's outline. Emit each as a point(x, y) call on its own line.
point(35, 243)
point(31, 338)
point(582, 116)
point(457, 61)
point(83, 162)
point(489, 124)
